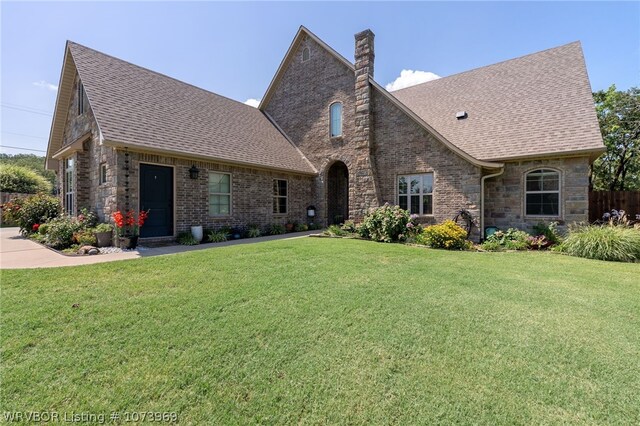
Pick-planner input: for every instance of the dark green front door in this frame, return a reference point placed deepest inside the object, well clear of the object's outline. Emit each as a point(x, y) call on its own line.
point(156, 195)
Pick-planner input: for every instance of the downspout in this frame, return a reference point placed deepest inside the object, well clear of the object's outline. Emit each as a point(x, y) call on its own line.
point(482, 200)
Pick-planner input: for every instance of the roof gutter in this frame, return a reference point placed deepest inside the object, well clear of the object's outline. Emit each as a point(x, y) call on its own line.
point(203, 158)
point(482, 199)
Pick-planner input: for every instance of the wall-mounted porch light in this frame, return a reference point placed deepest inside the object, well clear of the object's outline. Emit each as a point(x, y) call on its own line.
point(311, 211)
point(193, 172)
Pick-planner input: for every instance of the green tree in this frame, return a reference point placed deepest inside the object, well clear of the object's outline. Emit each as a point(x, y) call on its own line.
point(618, 169)
point(22, 180)
point(30, 161)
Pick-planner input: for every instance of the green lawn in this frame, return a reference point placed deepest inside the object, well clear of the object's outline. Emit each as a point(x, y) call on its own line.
point(328, 331)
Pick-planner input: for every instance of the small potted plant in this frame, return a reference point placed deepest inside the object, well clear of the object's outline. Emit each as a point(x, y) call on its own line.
point(104, 234)
point(128, 228)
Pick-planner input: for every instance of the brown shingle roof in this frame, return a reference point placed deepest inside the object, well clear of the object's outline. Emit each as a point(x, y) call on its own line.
point(141, 108)
point(535, 105)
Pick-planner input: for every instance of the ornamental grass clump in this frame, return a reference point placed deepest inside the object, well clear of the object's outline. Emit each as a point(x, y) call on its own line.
point(615, 243)
point(446, 235)
point(388, 224)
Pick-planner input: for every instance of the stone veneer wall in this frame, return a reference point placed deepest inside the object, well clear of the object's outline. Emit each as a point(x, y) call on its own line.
point(251, 189)
point(504, 195)
point(88, 192)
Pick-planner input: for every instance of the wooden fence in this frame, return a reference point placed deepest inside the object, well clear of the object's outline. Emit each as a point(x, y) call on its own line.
point(604, 201)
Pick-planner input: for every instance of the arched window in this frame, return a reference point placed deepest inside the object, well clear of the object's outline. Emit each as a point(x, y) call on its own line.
point(542, 193)
point(305, 54)
point(335, 118)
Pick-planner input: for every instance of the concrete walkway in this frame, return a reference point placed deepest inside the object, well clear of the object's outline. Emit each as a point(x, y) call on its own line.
point(19, 252)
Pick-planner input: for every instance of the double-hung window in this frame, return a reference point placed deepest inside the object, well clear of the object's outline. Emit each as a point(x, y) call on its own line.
point(280, 195)
point(415, 193)
point(542, 193)
point(219, 194)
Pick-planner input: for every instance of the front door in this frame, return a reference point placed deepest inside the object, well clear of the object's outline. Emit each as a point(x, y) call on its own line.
point(338, 193)
point(156, 195)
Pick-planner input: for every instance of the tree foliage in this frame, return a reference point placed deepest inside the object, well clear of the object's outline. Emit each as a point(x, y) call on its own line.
point(22, 180)
point(618, 169)
point(30, 161)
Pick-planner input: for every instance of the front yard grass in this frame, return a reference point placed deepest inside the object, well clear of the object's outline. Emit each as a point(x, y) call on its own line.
point(328, 331)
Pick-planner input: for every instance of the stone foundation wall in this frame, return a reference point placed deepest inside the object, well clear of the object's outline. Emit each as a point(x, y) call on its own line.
point(504, 195)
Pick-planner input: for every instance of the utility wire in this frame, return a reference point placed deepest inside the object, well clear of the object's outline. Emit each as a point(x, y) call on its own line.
point(21, 134)
point(24, 149)
point(23, 109)
point(26, 107)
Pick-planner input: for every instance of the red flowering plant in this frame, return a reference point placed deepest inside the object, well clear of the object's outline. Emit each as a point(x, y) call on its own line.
point(127, 225)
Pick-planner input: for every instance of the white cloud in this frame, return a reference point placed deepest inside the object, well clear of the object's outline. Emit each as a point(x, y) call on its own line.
point(411, 78)
point(46, 85)
point(252, 102)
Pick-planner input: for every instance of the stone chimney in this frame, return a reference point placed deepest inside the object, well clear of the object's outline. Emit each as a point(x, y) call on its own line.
point(365, 188)
point(364, 51)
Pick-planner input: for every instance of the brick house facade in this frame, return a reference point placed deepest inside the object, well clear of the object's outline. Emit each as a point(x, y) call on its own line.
point(384, 150)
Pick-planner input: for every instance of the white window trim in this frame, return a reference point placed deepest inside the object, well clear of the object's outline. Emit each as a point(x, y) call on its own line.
point(230, 194)
point(286, 197)
point(421, 194)
point(560, 214)
point(341, 120)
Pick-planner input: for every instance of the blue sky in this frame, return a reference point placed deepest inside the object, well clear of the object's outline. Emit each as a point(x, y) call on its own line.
point(235, 48)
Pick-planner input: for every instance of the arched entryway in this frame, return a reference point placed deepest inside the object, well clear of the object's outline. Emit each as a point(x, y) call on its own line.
point(337, 193)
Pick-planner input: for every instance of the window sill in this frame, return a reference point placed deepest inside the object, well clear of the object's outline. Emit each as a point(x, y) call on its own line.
point(533, 216)
point(336, 138)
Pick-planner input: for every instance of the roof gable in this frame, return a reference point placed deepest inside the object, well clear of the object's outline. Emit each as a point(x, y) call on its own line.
point(536, 105)
point(142, 109)
point(60, 113)
point(304, 32)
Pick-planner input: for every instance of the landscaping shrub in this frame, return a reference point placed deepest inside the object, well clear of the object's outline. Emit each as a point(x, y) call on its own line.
point(85, 237)
point(301, 227)
point(349, 227)
point(335, 231)
point(87, 218)
point(512, 239)
point(186, 239)
point(616, 243)
point(36, 209)
point(22, 180)
point(60, 232)
point(446, 235)
point(218, 236)
point(277, 229)
point(549, 231)
point(253, 231)
point(10, 211)
point(387, 224)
